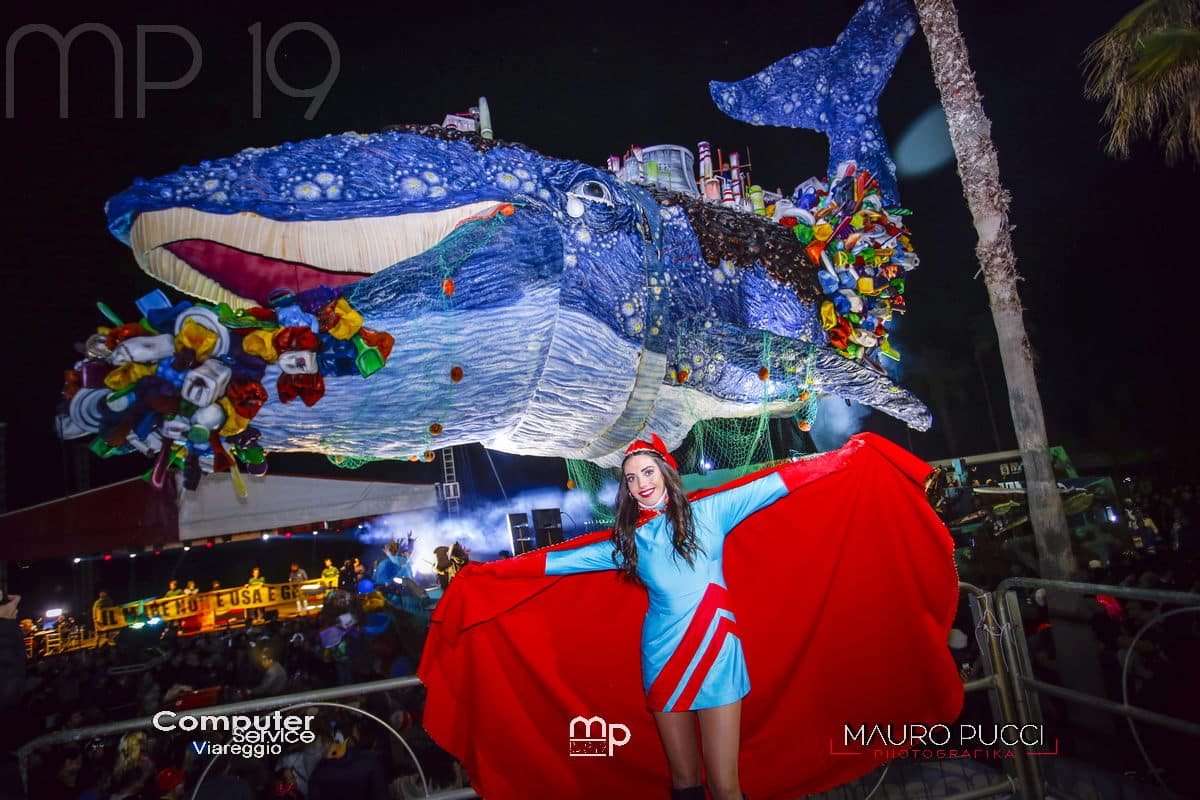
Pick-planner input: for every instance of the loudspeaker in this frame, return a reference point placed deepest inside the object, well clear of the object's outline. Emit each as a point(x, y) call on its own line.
point(547, 526)
point(520, 533)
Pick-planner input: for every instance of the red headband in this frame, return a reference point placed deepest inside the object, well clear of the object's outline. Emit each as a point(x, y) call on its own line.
point(656, 446)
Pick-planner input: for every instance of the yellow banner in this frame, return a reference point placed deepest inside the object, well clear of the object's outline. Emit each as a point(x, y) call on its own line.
point(220, 602)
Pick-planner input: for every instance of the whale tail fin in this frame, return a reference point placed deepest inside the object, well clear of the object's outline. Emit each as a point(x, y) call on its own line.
point(833, 89)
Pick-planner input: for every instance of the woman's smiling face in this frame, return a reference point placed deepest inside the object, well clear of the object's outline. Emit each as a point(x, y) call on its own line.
point(644, 480)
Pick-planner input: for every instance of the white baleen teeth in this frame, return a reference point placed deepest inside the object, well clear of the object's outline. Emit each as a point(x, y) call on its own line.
point(177, 273)
point(365, 244)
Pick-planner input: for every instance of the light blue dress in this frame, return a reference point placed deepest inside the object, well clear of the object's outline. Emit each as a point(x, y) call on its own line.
point(691, 655)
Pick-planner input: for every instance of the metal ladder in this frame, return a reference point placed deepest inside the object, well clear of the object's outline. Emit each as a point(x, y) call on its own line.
point(451, 493)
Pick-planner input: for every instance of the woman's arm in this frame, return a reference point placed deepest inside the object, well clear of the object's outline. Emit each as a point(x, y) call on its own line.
point(592, 557)
point(729, 507)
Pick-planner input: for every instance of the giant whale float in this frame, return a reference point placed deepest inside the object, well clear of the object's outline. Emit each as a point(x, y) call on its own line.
point(539, 306)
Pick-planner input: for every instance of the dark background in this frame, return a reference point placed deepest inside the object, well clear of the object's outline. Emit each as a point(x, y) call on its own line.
point(1103, 245)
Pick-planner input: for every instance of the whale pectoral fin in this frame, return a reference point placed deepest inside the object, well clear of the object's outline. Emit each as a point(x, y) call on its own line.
point(734, 363)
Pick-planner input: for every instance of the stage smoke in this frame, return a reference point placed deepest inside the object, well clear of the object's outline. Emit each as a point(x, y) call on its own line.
point(483, 532)
point(837, 422)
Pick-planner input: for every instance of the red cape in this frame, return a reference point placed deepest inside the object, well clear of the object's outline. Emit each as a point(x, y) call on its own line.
point(844, 590)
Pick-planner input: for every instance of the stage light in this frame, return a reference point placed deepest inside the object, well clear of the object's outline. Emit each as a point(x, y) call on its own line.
point(108, 556)
point(266, 536)
point(158, 552)
point(77, 559)
point(53, 613)
point(187, 547)
point(314, 531)
point(209, 543)
point(287, 535)
point(133, 555)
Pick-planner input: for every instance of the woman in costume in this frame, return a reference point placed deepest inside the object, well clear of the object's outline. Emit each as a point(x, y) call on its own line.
point(556, 658)
point(674, 548)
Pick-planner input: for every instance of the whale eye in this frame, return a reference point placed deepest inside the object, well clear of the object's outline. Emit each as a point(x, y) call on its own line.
point(592, 191)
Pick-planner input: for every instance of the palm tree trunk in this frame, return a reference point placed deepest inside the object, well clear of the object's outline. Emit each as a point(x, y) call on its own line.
point(970, 134)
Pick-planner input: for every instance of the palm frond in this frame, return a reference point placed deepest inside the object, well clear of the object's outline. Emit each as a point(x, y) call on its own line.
point(1147, 70)
point(1164, 50)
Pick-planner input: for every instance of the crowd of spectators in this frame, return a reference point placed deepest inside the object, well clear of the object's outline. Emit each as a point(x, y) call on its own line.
point(355, 638)
point(1146, 658)
point(1170, 509)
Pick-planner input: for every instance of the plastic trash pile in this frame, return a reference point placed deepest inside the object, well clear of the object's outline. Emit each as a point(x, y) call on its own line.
point(863, 251)
point(184, 382)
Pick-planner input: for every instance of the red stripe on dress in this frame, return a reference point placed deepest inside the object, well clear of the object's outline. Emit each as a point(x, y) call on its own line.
point(672, 672)
point(725, 627)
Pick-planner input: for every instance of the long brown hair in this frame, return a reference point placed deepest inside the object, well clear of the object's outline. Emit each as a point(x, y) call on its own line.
point(678, 513)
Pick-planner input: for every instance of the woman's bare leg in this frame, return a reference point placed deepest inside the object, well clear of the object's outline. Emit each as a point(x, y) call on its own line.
point(677, 729)
point(720, 733)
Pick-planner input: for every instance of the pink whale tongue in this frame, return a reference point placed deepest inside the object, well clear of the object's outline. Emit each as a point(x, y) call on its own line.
point(253, 276)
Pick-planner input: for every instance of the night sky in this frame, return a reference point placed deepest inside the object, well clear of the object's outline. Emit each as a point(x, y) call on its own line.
point(1103, 245)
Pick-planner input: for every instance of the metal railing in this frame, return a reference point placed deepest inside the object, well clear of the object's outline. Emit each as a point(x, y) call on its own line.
point(1004, 699)
point(1012, 688)
point(1018, 665)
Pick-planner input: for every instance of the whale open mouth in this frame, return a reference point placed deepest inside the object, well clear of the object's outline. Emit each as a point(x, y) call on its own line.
point(240, 259)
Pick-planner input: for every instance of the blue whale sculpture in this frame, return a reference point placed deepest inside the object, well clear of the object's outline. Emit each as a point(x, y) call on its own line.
point(539, 306)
